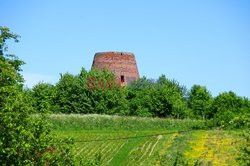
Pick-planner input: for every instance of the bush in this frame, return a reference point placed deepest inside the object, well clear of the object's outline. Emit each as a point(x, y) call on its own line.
point(241, 121)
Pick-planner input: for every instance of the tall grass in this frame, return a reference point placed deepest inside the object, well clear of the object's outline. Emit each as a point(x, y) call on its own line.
point(107, 122)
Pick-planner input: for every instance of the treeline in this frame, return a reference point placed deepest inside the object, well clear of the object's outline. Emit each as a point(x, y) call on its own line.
point(140, 98)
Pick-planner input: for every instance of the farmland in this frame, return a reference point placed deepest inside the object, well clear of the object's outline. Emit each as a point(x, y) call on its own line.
point(114, 140)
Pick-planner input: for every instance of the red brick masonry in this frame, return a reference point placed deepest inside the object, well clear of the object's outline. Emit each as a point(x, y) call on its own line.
point(123, 64)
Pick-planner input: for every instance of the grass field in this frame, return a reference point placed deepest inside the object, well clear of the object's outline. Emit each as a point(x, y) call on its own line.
point(129, 141)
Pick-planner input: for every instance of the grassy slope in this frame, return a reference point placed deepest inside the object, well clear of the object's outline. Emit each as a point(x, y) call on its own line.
point(200, 146)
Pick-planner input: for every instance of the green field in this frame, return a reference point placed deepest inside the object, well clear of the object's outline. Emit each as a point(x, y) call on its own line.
point(114, 140)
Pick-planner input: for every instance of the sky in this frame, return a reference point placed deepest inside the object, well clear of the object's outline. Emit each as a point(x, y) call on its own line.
point(205, 42)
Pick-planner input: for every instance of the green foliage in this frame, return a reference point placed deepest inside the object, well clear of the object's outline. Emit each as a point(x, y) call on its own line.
point(10, 65)
point(240, 121)
point(67, 94)
point(106, 122)
point(43, 95)
point(165, 99)
point(73, 96)
point(199, 101)
point(23, 140)
point(4, 36)
point(227, 106)
point(244, 158)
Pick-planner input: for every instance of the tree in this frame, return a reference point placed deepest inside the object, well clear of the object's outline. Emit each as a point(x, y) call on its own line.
point(74, 96)
point(43, 95)
point(108, 99)
point(10, 65)
point(68, 92)
point(199, 101)
point(163, 98)
point(24, 140)
point(227, 106)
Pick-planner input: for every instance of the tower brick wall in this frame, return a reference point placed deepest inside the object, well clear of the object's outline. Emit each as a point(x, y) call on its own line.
point(122, 64)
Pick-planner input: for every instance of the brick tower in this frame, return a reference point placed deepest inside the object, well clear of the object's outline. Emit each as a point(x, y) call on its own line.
point(122, 64)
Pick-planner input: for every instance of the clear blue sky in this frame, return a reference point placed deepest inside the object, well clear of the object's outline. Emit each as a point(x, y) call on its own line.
point(204, 42)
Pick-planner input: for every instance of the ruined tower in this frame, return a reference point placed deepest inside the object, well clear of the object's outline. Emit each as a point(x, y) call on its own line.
point(122, 64)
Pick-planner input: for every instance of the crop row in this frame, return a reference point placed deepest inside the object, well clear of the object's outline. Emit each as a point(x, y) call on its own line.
point(206, 147)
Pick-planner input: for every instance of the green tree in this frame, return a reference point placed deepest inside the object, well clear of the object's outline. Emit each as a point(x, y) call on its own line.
point(73, 96)
point(165, 98)
point(10, 65)
point(43, 95)
point(106, 101)
point(199, 101)
point(23, 139)
point(68, 92)
point(227, 106)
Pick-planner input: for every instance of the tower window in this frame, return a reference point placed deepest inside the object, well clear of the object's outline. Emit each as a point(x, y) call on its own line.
point(122, 78)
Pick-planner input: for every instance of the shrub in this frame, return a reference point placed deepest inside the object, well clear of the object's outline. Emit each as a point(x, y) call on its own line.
point(241, 121)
